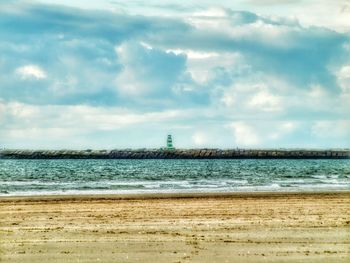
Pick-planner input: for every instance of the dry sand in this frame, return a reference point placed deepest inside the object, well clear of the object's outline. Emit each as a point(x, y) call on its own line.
point(184, 228)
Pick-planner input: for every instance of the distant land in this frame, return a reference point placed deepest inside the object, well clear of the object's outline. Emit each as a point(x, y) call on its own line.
point(178, 154)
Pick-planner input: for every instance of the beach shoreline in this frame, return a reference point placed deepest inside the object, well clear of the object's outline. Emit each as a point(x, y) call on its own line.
point(196, 227)
point(164, 195)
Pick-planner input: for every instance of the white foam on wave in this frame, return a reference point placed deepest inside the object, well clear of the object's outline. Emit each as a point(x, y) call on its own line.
point(33, 182)
point(171, 186)
point(170, 191)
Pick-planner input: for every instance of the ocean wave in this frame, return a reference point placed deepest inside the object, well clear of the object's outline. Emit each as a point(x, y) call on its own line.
point(119, 176)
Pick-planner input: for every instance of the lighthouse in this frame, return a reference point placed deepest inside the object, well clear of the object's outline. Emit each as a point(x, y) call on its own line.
point(169, 143)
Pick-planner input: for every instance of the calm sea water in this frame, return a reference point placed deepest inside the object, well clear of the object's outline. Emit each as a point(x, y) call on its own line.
point(31, 177)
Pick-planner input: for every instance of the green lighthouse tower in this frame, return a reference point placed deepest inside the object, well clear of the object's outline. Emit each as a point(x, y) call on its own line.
point(169, 143)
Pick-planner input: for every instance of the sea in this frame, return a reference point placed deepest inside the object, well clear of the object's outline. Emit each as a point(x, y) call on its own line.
point(57, 177)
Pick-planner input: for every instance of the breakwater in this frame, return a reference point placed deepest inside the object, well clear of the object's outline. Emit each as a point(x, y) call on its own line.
point(177, 154)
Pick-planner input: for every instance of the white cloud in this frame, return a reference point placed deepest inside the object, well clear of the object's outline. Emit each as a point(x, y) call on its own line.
point(265, 33)
point(84, 118)
point(332, 14)
point(266, 101)
point(273, 33)
point(31, 72)
point(212, 12)
point(289, 126)
point(203, 70)
point(193, 54)
point(41, 132)
point(2, 111)
point(210, 19)
point(144, 44)
point(317, 92)
point(229, 99)
point(244, 134)
point(256, 95)
point(21, 111)
point(201, 64)
point(200, 138)
point(147, 70)
point(343, 78)
point(331, 129)
point(281, 129)
point(254, 133)
point(130, 81)
point(66, 85)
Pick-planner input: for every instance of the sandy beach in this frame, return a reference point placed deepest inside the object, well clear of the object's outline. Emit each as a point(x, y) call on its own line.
point(241, 227)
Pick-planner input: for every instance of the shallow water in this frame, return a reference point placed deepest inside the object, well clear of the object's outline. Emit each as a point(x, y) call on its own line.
point(31, 177)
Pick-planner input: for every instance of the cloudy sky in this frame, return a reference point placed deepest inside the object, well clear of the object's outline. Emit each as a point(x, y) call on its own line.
point(124, 74)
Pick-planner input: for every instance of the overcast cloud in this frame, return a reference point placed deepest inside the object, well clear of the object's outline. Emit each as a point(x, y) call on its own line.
point(118, 75)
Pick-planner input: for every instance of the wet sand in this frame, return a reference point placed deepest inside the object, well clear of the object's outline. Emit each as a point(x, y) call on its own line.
point(244, 227)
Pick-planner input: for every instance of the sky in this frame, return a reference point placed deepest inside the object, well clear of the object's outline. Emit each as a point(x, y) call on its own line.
point(123, 74)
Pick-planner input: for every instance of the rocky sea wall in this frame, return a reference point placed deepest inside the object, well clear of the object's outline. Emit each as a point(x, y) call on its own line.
point(177, 154)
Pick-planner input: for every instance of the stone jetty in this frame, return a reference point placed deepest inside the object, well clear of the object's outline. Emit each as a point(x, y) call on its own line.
point(178, 154)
